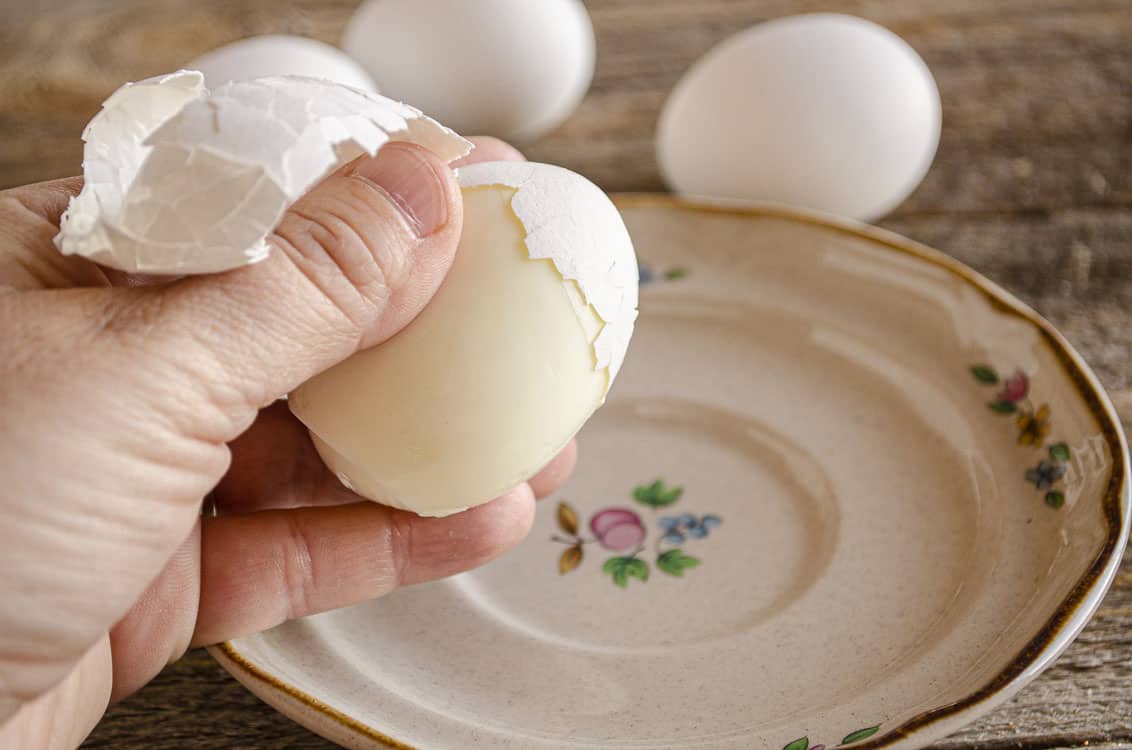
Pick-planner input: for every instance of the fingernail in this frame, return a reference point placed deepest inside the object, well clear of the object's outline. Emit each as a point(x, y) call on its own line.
point(409, 179)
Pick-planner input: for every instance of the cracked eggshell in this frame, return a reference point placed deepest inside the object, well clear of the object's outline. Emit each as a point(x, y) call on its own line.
point(509, 68)
point(571, 222)
point(516, 351)
point(180, 181)
point(280, 55)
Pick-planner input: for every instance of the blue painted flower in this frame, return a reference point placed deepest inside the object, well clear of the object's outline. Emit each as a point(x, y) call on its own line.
point(687, 520)
point(673, 537)
point(668, 523)
point(697, 532)
point(711, 521)
point(1045, 474)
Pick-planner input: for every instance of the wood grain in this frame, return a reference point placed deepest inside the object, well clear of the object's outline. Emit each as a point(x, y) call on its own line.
point(1032, 186)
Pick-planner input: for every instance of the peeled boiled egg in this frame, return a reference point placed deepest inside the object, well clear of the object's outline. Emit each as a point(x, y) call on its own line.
point(513, 354)
point(509, 68)
point(279, 55)
point(823, 111)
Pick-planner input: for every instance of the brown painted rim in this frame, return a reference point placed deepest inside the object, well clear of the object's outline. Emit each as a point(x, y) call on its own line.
point(1115, 504)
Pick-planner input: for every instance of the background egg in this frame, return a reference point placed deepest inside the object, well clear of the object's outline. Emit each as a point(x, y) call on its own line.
point(509, 68)
point(276, 55)
point(823, 111)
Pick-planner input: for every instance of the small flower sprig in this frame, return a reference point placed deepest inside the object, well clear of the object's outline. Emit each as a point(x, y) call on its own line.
point(1049, 472)
point(622, 530)
point(646, 275)
point(1013, 399)
point(803, 743)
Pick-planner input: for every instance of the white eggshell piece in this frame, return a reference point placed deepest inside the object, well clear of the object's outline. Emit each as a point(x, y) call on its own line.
point(509, 68)
point(571, 222)
point(280, 55)
point(498, 372)
point(182, 181)
point(823, 111)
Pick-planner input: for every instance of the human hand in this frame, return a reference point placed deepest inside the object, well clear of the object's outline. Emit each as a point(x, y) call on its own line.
point(124, 403)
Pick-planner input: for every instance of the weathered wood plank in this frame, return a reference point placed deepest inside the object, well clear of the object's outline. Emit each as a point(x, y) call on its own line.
point(1020, 80)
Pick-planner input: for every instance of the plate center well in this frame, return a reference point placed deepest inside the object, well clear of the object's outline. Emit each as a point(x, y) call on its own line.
point(702, 505)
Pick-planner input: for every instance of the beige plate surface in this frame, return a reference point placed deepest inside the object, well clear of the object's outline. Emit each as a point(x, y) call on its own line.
point(796, 522)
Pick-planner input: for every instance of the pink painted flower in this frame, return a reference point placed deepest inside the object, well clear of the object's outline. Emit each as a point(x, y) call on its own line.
point(617, 529)
point(1015, 388)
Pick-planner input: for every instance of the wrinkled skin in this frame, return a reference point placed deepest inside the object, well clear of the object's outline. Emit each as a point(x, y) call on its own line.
point(125, 403)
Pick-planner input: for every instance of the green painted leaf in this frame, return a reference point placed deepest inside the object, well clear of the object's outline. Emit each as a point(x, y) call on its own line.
point(860, 734)
point(1003, 407)
point(802, 743)
point(1055, 499)
point(622, 568)
point(673, 274)
point(646, 493)
point(674, 562)
point(985, 374)
point(1059, 452)
point(657, 495)
point(637, 569)
point(669, 563)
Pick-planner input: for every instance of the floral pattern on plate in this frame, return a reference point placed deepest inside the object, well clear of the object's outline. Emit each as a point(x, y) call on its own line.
point(1033, 423)
point(648, 275)
point(803, 743)
point(623, 530)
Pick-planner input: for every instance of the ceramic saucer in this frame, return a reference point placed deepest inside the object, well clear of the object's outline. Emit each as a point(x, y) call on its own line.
point(845, 492)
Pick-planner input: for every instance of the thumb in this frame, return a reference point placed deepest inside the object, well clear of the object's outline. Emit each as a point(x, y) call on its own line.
point(353, 262)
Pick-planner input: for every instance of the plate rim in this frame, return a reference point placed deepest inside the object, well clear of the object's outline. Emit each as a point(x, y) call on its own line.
point(1057, 632)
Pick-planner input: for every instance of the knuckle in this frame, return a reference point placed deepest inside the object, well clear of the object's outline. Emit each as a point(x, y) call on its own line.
point(133, 313)
point(400, 541)
point(23, 203)
point(297, 568)
point(347, 267)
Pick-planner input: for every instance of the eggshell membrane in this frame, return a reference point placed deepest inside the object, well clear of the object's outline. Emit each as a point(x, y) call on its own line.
point(824, 111)
point(280, 55)
point(509, 68)
point(180, 180)
point(491, 380)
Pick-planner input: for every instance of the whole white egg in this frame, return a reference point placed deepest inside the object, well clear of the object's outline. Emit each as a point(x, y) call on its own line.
point(822, 111)
point(279, 55)
point(509, 68)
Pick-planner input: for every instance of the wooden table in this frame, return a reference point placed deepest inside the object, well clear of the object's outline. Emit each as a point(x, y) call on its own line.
point(1032, 186)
